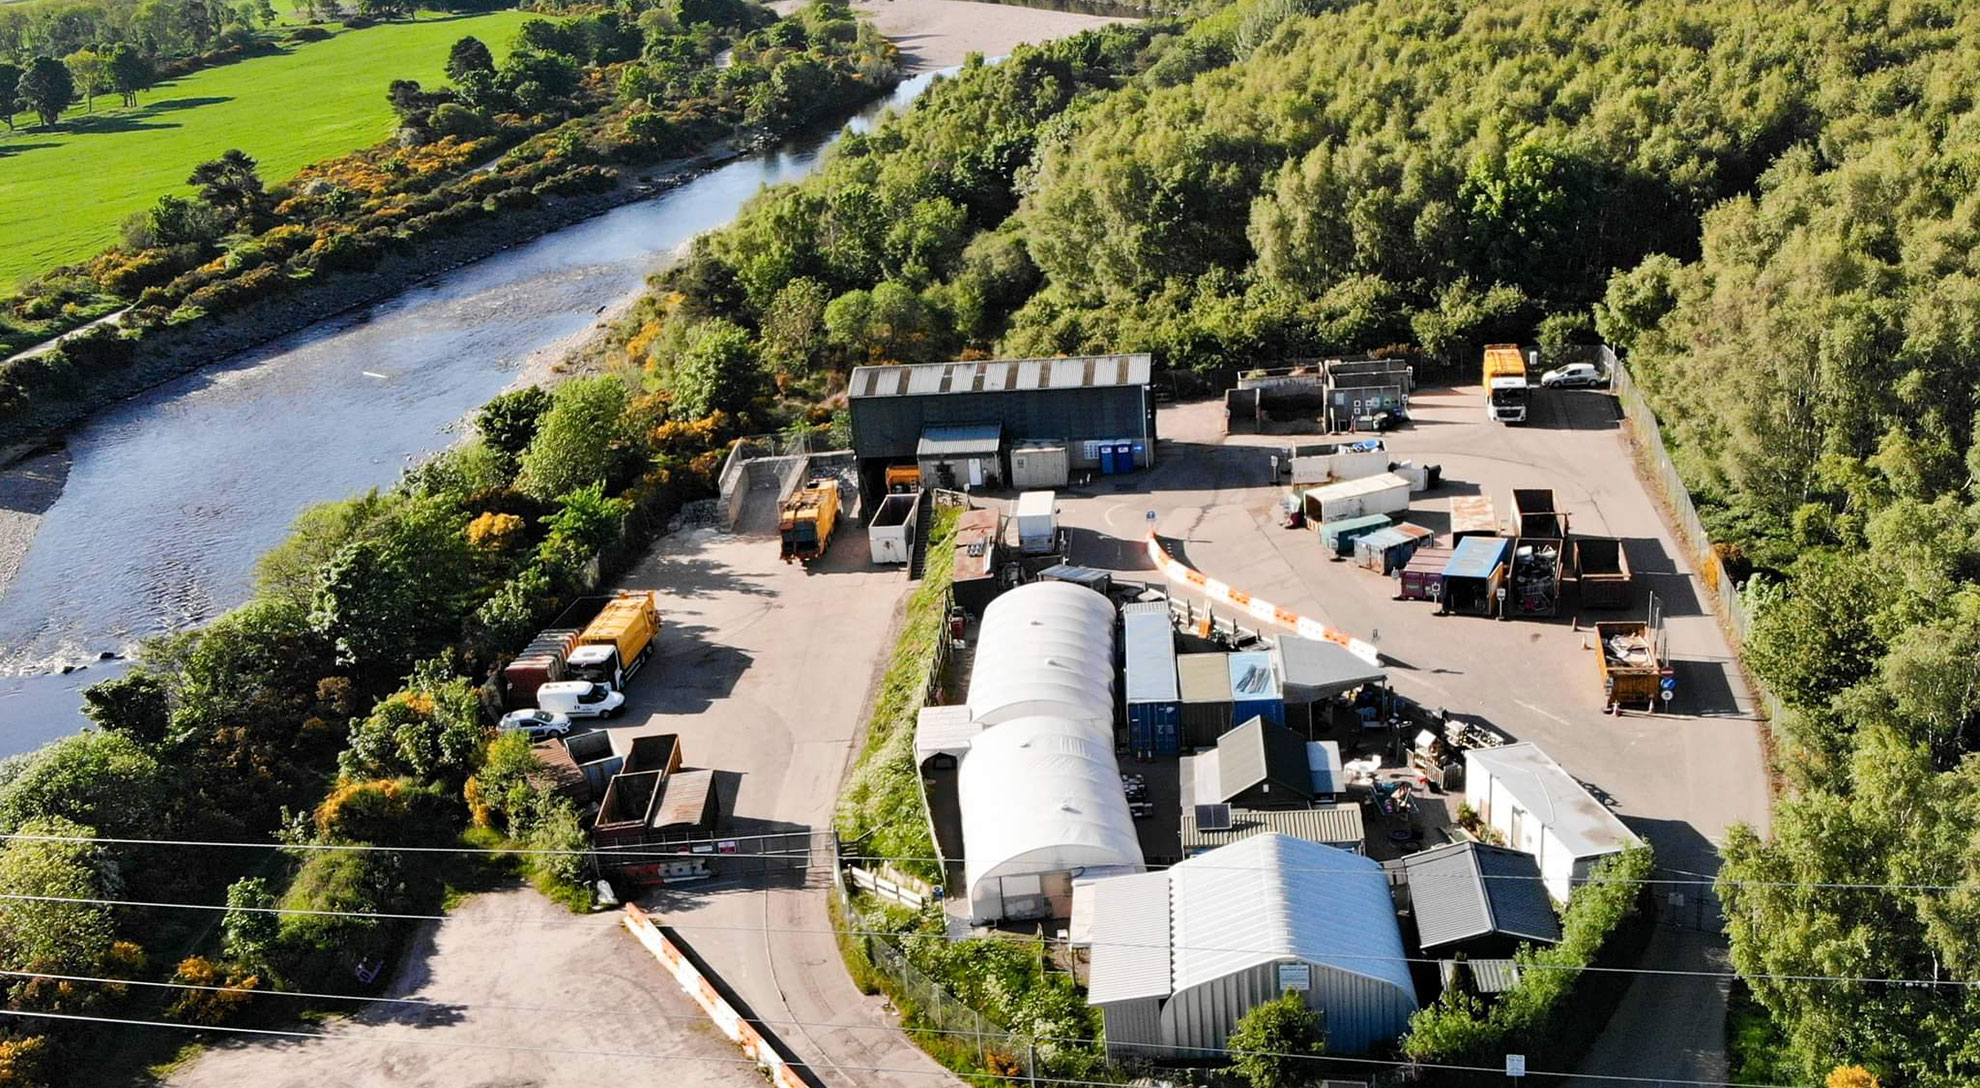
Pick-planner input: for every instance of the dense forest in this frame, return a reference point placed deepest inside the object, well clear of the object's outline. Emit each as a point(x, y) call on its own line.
point(1771, 210)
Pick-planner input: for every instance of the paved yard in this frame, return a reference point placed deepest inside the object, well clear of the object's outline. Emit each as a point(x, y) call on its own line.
point(1680, 779)
point(764, 670)
point(507, 969)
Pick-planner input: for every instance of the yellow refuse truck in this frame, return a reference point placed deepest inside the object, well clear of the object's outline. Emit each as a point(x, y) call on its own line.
point(806, 520)
point(617, 641)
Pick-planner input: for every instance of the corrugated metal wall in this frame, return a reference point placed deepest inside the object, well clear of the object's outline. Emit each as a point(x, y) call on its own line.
point(891, 426)
point(1359, 1013)
point(1133, 1028)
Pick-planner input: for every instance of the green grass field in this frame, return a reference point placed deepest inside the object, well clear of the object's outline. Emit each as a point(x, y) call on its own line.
point(63, 191)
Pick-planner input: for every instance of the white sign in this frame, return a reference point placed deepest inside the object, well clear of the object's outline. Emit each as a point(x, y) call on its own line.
point(1295, 976)
point(1515, 1065)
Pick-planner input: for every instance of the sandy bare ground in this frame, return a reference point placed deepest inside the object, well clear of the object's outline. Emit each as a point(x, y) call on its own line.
point(935, 34)
point(28, 487)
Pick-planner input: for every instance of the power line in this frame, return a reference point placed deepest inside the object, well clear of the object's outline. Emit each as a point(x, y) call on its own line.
point(1197, 863)
point(1354, 956)
point(514, 1048)
point(555, 1010)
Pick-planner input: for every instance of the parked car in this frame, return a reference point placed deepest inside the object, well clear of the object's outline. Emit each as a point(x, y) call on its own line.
point(537, 723)
point(1572, 376)
point(580, 699)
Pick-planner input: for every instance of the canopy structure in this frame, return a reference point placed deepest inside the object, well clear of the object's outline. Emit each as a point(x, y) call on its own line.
point(1045, 649)
point(1041, 803)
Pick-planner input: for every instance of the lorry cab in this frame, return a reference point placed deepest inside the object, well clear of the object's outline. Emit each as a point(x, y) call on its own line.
point(580, 699)
point(596, 664)
point(1506, 388)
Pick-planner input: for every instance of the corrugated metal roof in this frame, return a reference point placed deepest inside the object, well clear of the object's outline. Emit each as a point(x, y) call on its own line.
point(1553, 797)
point(1470, 890)
point(1314, 668)
point(1430, 560)
point(1204, 678)
point(999, 375)
point(1333, 825)
point(1150, 638)
point(1477, 557)
point(1487, 976)
point(960, 439)
point(1260, 752)
point(1275, 897)
point(1130, 936)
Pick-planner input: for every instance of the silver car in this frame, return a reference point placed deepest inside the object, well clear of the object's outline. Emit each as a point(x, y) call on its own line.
point(537, 723)
point(1572, 376)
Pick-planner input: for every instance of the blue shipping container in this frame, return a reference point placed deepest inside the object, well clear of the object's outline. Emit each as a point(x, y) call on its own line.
point(1154, 696)
point(1477, 557)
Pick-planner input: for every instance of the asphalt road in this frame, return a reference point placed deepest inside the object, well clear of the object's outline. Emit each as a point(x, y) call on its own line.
point(1679, 779)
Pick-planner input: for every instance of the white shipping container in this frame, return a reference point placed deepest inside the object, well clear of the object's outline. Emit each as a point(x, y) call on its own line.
point(1040, 464)
point(1387, 493)
point(1037, 521)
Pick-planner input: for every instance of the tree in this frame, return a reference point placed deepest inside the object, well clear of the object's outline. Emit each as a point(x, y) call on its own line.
point(469, 55)
point(508, 422)
point(130, 72)
point(587, 523)
point(91, 72)
point(10, 92)
point(249, 929)
point(579, 441)
point(229, 183)
point(719, 371)
point(105, 780)
point(1270, 1043)
point(397, 593)
point(137, 704)
point(56, 937)
point(429, 729)
point(47, 88)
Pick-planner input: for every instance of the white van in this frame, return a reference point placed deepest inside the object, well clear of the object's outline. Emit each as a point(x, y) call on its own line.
point(580, 699)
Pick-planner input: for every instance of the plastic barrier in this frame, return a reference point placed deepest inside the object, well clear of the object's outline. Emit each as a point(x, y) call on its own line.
point(720, 1011)
point(1183, 574)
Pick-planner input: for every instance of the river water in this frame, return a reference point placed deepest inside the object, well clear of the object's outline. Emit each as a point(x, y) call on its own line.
point(173, 495)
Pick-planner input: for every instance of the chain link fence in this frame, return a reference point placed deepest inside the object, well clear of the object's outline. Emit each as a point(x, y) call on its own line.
point(1657, 468)
point(996, 1049)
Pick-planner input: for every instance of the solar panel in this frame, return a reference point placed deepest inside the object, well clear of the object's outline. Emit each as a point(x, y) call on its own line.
point(1213, 817)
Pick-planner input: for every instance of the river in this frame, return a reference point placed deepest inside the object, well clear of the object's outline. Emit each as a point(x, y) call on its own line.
point(172, 495)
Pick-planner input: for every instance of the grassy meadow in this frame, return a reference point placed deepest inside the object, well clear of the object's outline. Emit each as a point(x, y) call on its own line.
point(64, 190)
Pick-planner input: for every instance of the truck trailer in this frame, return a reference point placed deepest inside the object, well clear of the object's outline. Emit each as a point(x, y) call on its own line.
point(1506, 388)
point(890, 534)
point(618, 640)
point(541, 662)
point(1422, 578)
point(1601, 572)
point(1037, 522)
point(805, 523)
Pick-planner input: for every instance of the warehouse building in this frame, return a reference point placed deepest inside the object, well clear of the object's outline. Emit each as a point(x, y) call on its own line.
point(1520, 792)
point(1035, 422)
point(1038, 787)
point(1180, 955)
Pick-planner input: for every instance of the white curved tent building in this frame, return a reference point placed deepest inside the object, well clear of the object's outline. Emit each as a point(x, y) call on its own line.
point(1041, 803)
point(1039, 789)
point(1045, 649)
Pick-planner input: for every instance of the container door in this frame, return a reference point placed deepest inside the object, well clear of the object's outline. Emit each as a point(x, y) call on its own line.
point(1168, 739)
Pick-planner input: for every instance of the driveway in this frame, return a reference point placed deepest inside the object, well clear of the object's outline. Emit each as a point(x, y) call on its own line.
point(507, 971)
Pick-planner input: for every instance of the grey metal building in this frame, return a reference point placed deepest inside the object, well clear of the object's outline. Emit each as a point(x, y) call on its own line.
point(1180, 955)
point(1099, 407)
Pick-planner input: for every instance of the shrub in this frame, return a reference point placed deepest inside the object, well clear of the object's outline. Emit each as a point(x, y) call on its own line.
point(208, 1005)
point(304, 34)
point(1272, 1043)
